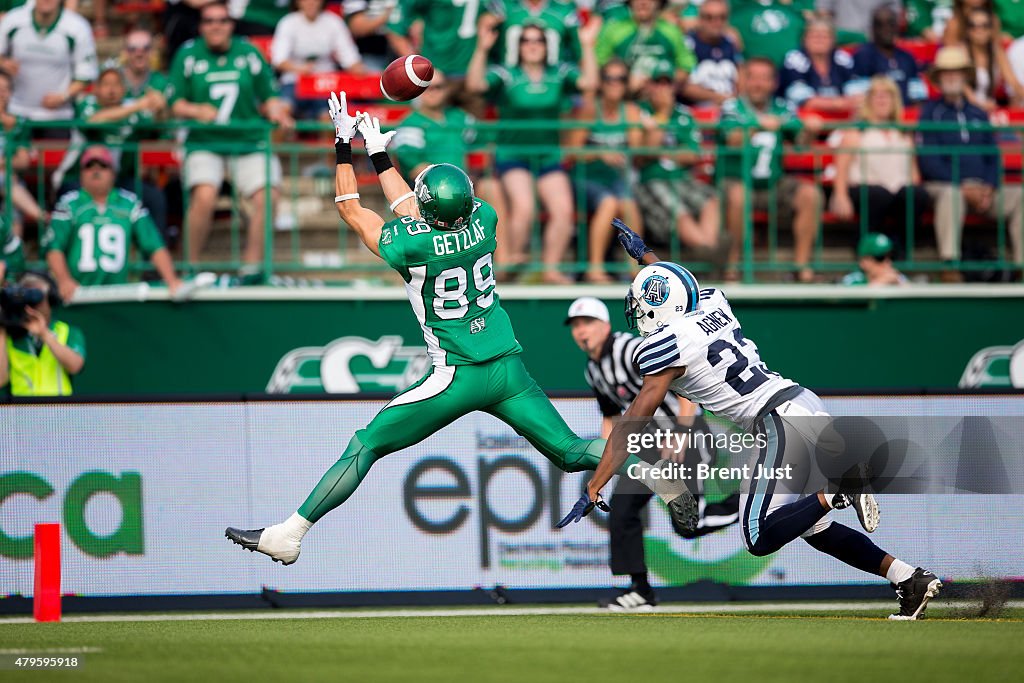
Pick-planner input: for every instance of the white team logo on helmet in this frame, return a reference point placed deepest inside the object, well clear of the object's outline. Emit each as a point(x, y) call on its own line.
point(660, 292)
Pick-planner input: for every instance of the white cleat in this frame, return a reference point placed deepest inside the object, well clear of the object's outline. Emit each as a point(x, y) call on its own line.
point(864, 503)
point(867, 511)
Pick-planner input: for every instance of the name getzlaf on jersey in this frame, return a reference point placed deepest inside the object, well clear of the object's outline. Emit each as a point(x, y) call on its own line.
point(724, 372)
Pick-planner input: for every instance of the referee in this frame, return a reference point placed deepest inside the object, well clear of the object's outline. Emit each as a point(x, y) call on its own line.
point(616, 381)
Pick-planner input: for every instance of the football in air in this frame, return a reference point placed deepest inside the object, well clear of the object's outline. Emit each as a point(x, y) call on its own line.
point(406, 78)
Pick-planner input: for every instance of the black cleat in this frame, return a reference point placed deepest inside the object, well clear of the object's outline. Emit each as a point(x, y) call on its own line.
point(914, 594)
point(684, 514)
point(248, 539)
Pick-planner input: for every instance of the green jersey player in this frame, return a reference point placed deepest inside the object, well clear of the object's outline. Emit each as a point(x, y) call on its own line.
point(441, 244)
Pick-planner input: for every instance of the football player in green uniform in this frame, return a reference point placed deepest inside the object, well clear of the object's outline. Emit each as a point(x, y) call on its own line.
point(442, 244)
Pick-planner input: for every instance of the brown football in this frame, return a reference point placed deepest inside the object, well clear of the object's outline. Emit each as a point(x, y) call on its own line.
point(406, 78)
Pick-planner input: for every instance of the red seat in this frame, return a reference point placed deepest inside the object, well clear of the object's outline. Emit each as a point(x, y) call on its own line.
point(154, 158)
point(813, 161)
point(706, 115)
point(829, 114)
point(139, 7)
point(922, 51)
point(262, 43)
point(320, 86)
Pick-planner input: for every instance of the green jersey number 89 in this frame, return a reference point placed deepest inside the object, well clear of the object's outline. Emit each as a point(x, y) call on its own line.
point(444, 294)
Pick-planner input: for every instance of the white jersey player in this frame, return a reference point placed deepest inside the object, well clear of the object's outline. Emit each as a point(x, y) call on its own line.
point(694, 346)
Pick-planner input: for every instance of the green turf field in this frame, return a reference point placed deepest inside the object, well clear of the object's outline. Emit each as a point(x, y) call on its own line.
point(568, 648)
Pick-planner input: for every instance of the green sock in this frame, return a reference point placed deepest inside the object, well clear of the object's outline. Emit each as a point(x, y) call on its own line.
point(339, 482)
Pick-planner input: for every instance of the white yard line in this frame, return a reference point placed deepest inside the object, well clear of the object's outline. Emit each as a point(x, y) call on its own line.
point(342, 613)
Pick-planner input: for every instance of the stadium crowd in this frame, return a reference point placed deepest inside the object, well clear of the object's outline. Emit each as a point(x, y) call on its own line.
point(682, 117)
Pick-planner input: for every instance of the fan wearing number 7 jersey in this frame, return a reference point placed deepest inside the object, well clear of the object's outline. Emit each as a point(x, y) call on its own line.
point(442, 244)
point(694, 347)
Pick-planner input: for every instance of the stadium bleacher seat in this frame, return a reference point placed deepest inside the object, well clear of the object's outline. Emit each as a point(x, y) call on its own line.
point(922, 51)
point(138, 7)
point(321, 85)
point(262, 44)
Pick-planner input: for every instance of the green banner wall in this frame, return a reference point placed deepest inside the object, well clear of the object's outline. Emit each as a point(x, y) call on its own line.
point(354, 340)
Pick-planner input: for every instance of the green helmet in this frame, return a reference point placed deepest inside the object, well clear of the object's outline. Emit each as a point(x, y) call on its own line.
point(445, 195)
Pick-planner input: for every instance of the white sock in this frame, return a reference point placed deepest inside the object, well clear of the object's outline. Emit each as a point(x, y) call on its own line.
point(899, 571)
point(296, 526)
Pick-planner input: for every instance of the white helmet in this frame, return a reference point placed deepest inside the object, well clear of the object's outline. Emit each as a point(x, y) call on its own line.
point(660, 292)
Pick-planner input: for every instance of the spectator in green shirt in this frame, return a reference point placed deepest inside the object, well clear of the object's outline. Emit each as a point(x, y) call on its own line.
point(137, 66)
point(12, 254)
point(667, 193)
point(14, 141)
point(769, 28)
point(926, 19)
point(538, 93)
point(874, 256)
point(645, 41)
point(107, 106)
point(222, 80)
point(754, 127)
point(602, 173)
point(1011, 14)
point(447, 31)
point(93, 229)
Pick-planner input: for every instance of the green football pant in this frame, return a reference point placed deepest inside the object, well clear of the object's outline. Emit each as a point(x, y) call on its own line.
point(500, 387)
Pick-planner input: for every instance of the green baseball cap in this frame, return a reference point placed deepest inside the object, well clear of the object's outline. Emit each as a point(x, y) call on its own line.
point(874, 244)
point(662, 69)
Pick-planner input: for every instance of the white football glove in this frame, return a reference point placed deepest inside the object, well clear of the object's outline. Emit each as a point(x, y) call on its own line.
point(376, 141)
point(344, 123)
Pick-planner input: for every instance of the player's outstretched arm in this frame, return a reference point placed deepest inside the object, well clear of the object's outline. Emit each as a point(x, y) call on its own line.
point(634, 244)
point(651, 395)
point(400, 196)
point(365, 222)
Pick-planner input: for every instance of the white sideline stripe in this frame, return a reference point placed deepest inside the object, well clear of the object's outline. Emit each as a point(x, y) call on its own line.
point(411, 72)
point(341, 613)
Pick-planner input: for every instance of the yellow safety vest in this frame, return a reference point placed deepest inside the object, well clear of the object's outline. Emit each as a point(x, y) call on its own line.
point(41, 375)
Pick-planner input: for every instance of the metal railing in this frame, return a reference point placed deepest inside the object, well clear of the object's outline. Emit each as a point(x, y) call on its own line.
point(309, 154)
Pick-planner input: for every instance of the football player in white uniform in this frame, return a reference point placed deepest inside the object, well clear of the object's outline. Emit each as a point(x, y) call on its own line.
point(694, 346)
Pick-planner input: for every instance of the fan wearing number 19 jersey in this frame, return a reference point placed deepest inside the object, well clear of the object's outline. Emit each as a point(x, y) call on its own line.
point(694, 346)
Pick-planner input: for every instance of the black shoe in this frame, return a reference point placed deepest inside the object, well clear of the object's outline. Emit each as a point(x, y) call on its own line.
point(632, 599)
point(684, 514)
point(247, 538)
point(914, 594)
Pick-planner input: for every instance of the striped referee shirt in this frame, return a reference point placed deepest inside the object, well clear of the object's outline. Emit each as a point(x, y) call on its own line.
point(616, 381)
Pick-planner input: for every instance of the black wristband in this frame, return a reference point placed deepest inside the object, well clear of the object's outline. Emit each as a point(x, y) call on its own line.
point(343, 152)
point(381, 162)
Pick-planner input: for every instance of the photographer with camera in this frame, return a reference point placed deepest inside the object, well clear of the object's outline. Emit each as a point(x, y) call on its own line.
point(40, 354)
